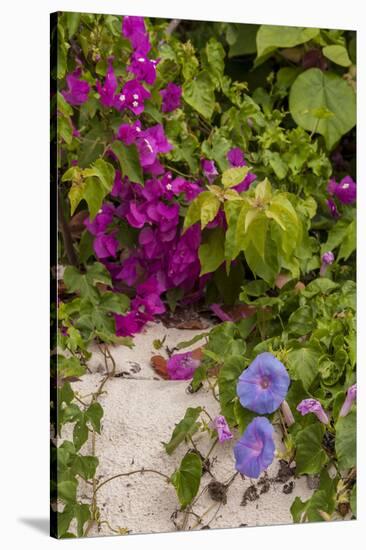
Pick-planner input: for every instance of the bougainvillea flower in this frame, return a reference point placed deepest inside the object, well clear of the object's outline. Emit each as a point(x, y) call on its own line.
point(209, 169)
point(78, 90)
point(351, 397)
point(109, 88)
point(264, 384)
point(143, 68)
point(134, 29)
point(101, 220)
point(128, 273)
point(171, 96)
point(181, 366)
point(246, 183)
point(345, 190)
point(222, 428)
point(132, 97)
point(254, 451)
point(307, 406)
point(327, 259)
point(136, 215)
point(183, 262)
point(129, 324)
point(332, 208)
point(236, 157)
point(128, 133)
point(189, 188)
point(105, 246)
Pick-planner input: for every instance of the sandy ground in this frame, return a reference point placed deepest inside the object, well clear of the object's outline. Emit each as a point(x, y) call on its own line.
point(140, 412)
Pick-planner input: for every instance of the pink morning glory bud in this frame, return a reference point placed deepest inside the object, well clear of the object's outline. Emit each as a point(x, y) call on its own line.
point(307, 406)
point(287, 413)
point(327, 259)
point(222, 428)
point(351, 397)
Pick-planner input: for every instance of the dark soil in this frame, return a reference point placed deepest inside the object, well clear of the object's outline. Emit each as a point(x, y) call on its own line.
point(264, 484)
point(217, 491)
point(250, 495)
point(285, 472)
point(288, 488)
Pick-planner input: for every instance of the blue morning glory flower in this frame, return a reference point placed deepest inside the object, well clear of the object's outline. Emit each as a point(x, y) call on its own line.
point(263, 385)
point(254, 452)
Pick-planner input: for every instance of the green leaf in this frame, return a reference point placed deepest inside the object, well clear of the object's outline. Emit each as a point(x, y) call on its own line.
point(271, 37)
point(338, 54)
point(82, 514)
point(64, 519)
point(301, 321)
point(80, 434)
point(303, 364)
point(129, 160)
point(94, 414)
point(348, 243)
point(115, 302)
point(336, 235)
point(234, 176)
point(263, 191)
point(353, 500)
point(242, 39)
point(85, 466)
point(199, 94)
point(322, 285)
point(72, 21)
point(243, 416)
point(204, 208)
point(186, 427)
point(310, 456)
point(102, 170)
point(323, 500)
point(188, 343)
point(227, 379)
point(69, 366)
point(215, 55)
point(187, 478)
point(211, 252)
point(66, 490)
point(345, 443)
point(313, 90)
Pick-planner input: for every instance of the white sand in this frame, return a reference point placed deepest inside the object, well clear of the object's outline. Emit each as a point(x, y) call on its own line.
point(140, 412)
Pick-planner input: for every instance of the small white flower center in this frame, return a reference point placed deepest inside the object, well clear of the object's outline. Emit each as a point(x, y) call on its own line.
point(135, 104)
point(148, 145)
point(345, 186)
point(138, 129)
point(122, 97)
point(141, 59)
point(169, 186)
point(135, 96)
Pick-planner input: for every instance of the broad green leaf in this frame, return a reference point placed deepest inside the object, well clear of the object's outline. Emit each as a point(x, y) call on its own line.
point(70, 366)
point(348, 243)
point(338, 54)
point(204, 208)
point(345, 443)
point(64, 519)
point(243, 416)
point(232, 212)
point(313, 90)
point(129, 160)
point(94, 414)
point(322, 285)
point(85, 466)
point(80, 433)
point(199, 94)
point(242, 39)
point(301, 321)
point(104, 171)
point(76, 194)
point(234, 176)
point(215, 56)
point(115, 302)
point(303, 364)
point(271, 37)
point(227, 379)
point(322, 500)
point(187, 478)
point(82, 514)
point(263, 191)
point(337, 235)
point(211, 252)
point(310, 456)
point(186, 427)
point(66, 490)
point(72, 20)
point(94, 194)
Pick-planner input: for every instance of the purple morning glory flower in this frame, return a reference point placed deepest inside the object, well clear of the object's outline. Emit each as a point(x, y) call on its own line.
point(351, 397)
point(263, 385)
point(332, 208)
point(307, 406)
point(134, 29)
point(209, 169)
point(181, 366)
point(109, 87)
point(143, 68)
point(222, 428)
point(254, 451)
point(345, 190)
point(171, 96)
point(105, 246)
point(132, 97)
point(78, 90)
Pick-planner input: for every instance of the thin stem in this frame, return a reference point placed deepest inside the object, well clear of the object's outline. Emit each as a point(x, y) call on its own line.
point(142, 471)
point(65, 232)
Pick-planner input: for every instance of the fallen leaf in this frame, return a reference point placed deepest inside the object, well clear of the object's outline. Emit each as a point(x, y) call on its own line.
point(159, 364)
